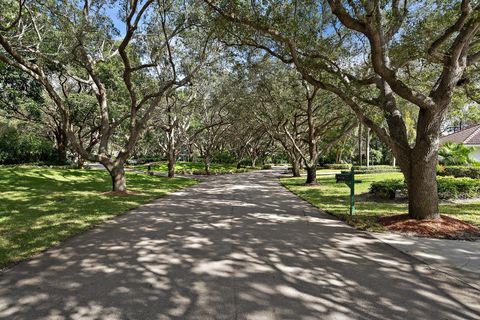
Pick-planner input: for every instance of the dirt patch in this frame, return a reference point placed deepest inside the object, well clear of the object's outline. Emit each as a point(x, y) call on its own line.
point(445, 227)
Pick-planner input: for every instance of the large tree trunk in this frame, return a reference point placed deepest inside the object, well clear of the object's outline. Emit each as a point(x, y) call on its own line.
point(367, 148)
point(117, 173)
point(171, 152)
point(206, 162)
point(296, 168)
point(360, 144)
point(418, 165)
point(254, 161)
point(62, 144)
point(62, 154)
point(422, 173)
point(80, 162)
point(172, 160)
point(311, 175)
point(338, 156)
point(422, 190)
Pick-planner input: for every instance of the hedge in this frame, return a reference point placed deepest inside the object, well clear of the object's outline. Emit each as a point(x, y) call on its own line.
point(338, 166)
point(362, 169)
point(375, 169)
point(387, 188)
point(459, 171)
point(448, 188)
point(453, 188)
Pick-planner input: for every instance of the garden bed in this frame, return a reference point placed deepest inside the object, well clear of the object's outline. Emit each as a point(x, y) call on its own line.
point(333, 198)
point(445, 227)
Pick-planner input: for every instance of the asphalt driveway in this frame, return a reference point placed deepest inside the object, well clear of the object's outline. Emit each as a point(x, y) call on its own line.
point(232, 247)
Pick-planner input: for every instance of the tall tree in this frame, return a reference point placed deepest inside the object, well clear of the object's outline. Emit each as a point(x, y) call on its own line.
point(76, 44)
point(367, 54)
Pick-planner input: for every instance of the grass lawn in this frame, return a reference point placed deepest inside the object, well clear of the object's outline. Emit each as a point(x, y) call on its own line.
point(334, 198)
point(39, 207)
point(193, 166)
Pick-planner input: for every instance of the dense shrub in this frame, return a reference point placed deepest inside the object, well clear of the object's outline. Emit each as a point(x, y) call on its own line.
point(17, 147)
point(459, 171)
point(149, 159)
point(338, 166)
point(448, 188)
point(267, 166)
point(387, 188)
point(452, 188)
point(454, 154)
point(375, 169)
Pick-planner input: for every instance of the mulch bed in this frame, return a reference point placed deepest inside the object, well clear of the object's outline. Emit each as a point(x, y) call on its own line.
point(445, 227)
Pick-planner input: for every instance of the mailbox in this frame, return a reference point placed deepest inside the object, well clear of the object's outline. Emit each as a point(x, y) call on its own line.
point(348, 177)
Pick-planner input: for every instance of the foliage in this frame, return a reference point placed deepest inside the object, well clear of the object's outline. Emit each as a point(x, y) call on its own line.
point(39, 207)
point(453, 188)
point(387, 188)
point(266, 167)
point(332, 197)
point(375, 169)
point(24, 147)
point(454, 154)
point(195, 168)
point(338, 166)
point(448, 188)
point(459, 171)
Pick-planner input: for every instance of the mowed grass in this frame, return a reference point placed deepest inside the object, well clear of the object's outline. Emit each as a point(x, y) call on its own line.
point(180, 166)
point(39, 207)
point(333, 198)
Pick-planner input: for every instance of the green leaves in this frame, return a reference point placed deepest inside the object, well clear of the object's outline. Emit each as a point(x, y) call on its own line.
point(454, 154)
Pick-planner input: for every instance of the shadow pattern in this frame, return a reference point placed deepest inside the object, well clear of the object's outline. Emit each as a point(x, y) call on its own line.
point(234, 247)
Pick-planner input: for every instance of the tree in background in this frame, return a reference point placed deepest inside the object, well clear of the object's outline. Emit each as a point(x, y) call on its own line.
point(326, 44)
point(76, 45)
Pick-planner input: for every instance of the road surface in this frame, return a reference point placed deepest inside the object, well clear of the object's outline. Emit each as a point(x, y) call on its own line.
point(233, 247)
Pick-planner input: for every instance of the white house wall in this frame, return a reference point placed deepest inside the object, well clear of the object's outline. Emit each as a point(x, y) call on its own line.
point(475, 154)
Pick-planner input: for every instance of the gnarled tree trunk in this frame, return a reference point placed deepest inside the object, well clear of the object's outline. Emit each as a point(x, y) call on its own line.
point(420, 172)
point(295, 168)
point(62, 145)
point(422, 190)
point(80, 162)
point(206, 162)
point(311, 175)
point(172, 160)
point(117, 174)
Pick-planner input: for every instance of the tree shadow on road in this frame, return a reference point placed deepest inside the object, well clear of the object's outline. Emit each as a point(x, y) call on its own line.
point(232, 248)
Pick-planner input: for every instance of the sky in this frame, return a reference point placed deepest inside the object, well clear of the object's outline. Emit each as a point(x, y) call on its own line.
point(112, 12)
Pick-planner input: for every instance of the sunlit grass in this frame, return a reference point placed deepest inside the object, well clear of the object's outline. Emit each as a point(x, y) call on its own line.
point(39, 207)
point(333, 198)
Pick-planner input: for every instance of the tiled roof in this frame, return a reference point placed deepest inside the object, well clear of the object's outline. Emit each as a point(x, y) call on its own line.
point(469, 136)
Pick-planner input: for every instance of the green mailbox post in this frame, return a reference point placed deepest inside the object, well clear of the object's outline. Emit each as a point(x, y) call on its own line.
point(348, 177)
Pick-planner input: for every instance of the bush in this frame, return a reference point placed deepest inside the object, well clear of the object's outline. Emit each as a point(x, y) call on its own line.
point(149, 159)
point(267, 166)
point(459, 171)
point(338, 166)
point(453, 188)
point(454, 154)
point(387, 188)
point(375, 169)
point(448, 188)
point(21, 147)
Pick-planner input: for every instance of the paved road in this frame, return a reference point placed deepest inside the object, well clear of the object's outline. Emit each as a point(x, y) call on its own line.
point(236, 247)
